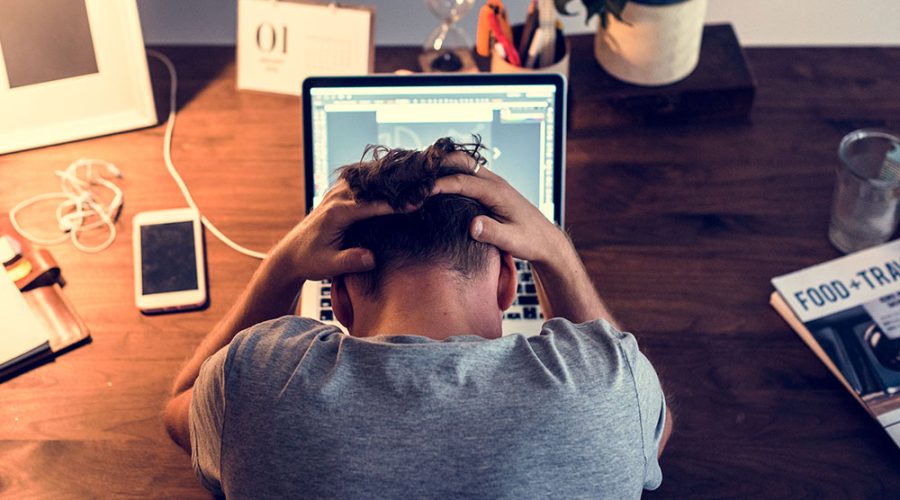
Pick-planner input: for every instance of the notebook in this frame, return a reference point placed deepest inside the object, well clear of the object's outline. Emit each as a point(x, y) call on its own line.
point(24, 336)
point(520, 118)
point(37, 321)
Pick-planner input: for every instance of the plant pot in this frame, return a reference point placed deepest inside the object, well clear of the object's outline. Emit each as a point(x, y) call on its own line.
point(657, 44)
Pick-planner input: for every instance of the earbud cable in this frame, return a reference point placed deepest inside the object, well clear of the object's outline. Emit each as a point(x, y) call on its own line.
point(79, 204)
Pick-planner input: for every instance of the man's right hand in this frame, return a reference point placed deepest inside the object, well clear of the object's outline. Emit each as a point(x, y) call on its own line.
point(312, 249)
point(518, 227)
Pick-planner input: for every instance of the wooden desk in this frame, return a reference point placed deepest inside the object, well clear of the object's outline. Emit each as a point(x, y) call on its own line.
point(681, 227)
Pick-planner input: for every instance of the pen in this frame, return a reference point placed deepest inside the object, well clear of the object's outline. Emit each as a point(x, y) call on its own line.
point(528, 30)
point(512, 55)
point(502, 20)
point(547, 17)
point(533, 48)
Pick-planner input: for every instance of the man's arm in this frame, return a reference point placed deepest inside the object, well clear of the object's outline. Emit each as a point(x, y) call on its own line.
point(667, 432)
point(268, 295)
point(309, 251)
point(566, 290)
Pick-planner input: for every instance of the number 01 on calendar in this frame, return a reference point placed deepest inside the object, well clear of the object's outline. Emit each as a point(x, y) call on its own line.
point(279, 43)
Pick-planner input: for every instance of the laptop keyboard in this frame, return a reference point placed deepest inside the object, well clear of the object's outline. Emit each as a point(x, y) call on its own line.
point(526, 305)
point(325, 311)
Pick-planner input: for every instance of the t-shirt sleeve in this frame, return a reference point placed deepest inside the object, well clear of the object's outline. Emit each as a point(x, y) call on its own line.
point(613, 356)
point(652, 407)
point(206, 421)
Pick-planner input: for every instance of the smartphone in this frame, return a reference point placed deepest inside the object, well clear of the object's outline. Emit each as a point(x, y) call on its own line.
point(169, 268)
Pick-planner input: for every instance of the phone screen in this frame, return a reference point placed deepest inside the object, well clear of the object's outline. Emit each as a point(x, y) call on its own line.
point(168, 259)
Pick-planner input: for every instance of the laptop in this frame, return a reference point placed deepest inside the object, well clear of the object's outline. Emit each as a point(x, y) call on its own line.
point(521, 120)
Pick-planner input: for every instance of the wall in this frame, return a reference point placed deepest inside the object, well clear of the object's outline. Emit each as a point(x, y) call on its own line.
point(408, 22)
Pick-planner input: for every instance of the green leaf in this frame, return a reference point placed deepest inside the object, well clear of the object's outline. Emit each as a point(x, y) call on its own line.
point(561, 7)
point(595, 8)
point(602, 8)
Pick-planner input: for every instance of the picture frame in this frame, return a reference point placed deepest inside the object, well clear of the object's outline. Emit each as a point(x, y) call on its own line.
point(69, 70)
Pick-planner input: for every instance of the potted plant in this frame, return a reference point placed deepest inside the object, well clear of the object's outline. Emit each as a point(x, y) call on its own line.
point(646, 42)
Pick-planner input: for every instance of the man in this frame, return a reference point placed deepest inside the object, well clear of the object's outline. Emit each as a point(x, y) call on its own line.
point(424, 398)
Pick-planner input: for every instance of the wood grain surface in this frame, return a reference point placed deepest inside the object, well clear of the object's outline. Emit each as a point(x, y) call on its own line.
point(681, 227)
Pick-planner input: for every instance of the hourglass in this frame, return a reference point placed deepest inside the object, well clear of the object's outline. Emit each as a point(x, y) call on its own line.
point(448, 47)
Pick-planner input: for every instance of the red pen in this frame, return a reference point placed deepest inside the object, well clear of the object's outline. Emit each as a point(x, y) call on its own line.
point(511, 54)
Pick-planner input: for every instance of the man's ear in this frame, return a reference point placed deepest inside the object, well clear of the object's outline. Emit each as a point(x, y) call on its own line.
point(341, 303)
point(508, 282)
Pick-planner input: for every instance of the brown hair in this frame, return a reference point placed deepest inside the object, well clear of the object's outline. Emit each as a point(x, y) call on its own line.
point(437, 233)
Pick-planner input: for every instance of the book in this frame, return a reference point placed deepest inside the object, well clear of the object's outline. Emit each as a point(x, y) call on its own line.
point(847, 311)
point(24, 336)
point(37, 321)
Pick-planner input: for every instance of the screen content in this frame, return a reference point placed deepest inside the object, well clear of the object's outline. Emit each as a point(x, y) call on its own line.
point(515, 122)
point(168, 262)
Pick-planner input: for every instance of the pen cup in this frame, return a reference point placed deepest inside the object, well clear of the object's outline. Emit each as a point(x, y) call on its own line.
point(866, 203)
point(560, 62)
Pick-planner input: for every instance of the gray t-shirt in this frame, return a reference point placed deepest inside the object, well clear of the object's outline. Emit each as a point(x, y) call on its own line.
point(294, 408)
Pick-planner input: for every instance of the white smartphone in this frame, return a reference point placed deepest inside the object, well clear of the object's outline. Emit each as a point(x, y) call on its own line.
point(169, 269)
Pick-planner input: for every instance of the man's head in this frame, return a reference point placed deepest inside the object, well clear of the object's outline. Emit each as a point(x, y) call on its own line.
point(435, 232)
point(430, 234)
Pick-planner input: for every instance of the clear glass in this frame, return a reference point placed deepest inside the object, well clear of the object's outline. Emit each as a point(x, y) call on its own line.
point(448, 36)
point(864, 210)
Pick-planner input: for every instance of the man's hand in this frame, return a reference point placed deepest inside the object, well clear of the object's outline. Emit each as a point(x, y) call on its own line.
point(311, 250)
point(518, 227)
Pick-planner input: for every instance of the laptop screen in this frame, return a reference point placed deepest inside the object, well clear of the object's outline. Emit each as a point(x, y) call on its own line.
point(520, 120)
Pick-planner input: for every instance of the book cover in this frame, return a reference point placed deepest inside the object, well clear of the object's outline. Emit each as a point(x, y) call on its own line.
point(37, 321)
point(848, 312)
point(23, 335)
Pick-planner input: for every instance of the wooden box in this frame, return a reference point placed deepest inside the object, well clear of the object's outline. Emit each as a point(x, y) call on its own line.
point(721, 87)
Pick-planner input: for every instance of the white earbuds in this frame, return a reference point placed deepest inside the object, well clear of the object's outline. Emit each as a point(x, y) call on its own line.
point(81, 202)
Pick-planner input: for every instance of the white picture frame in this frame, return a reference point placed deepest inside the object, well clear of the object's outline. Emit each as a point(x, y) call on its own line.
point(114, 96)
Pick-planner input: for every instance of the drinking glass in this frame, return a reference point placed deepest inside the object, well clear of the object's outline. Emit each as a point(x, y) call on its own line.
point(864, 210)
